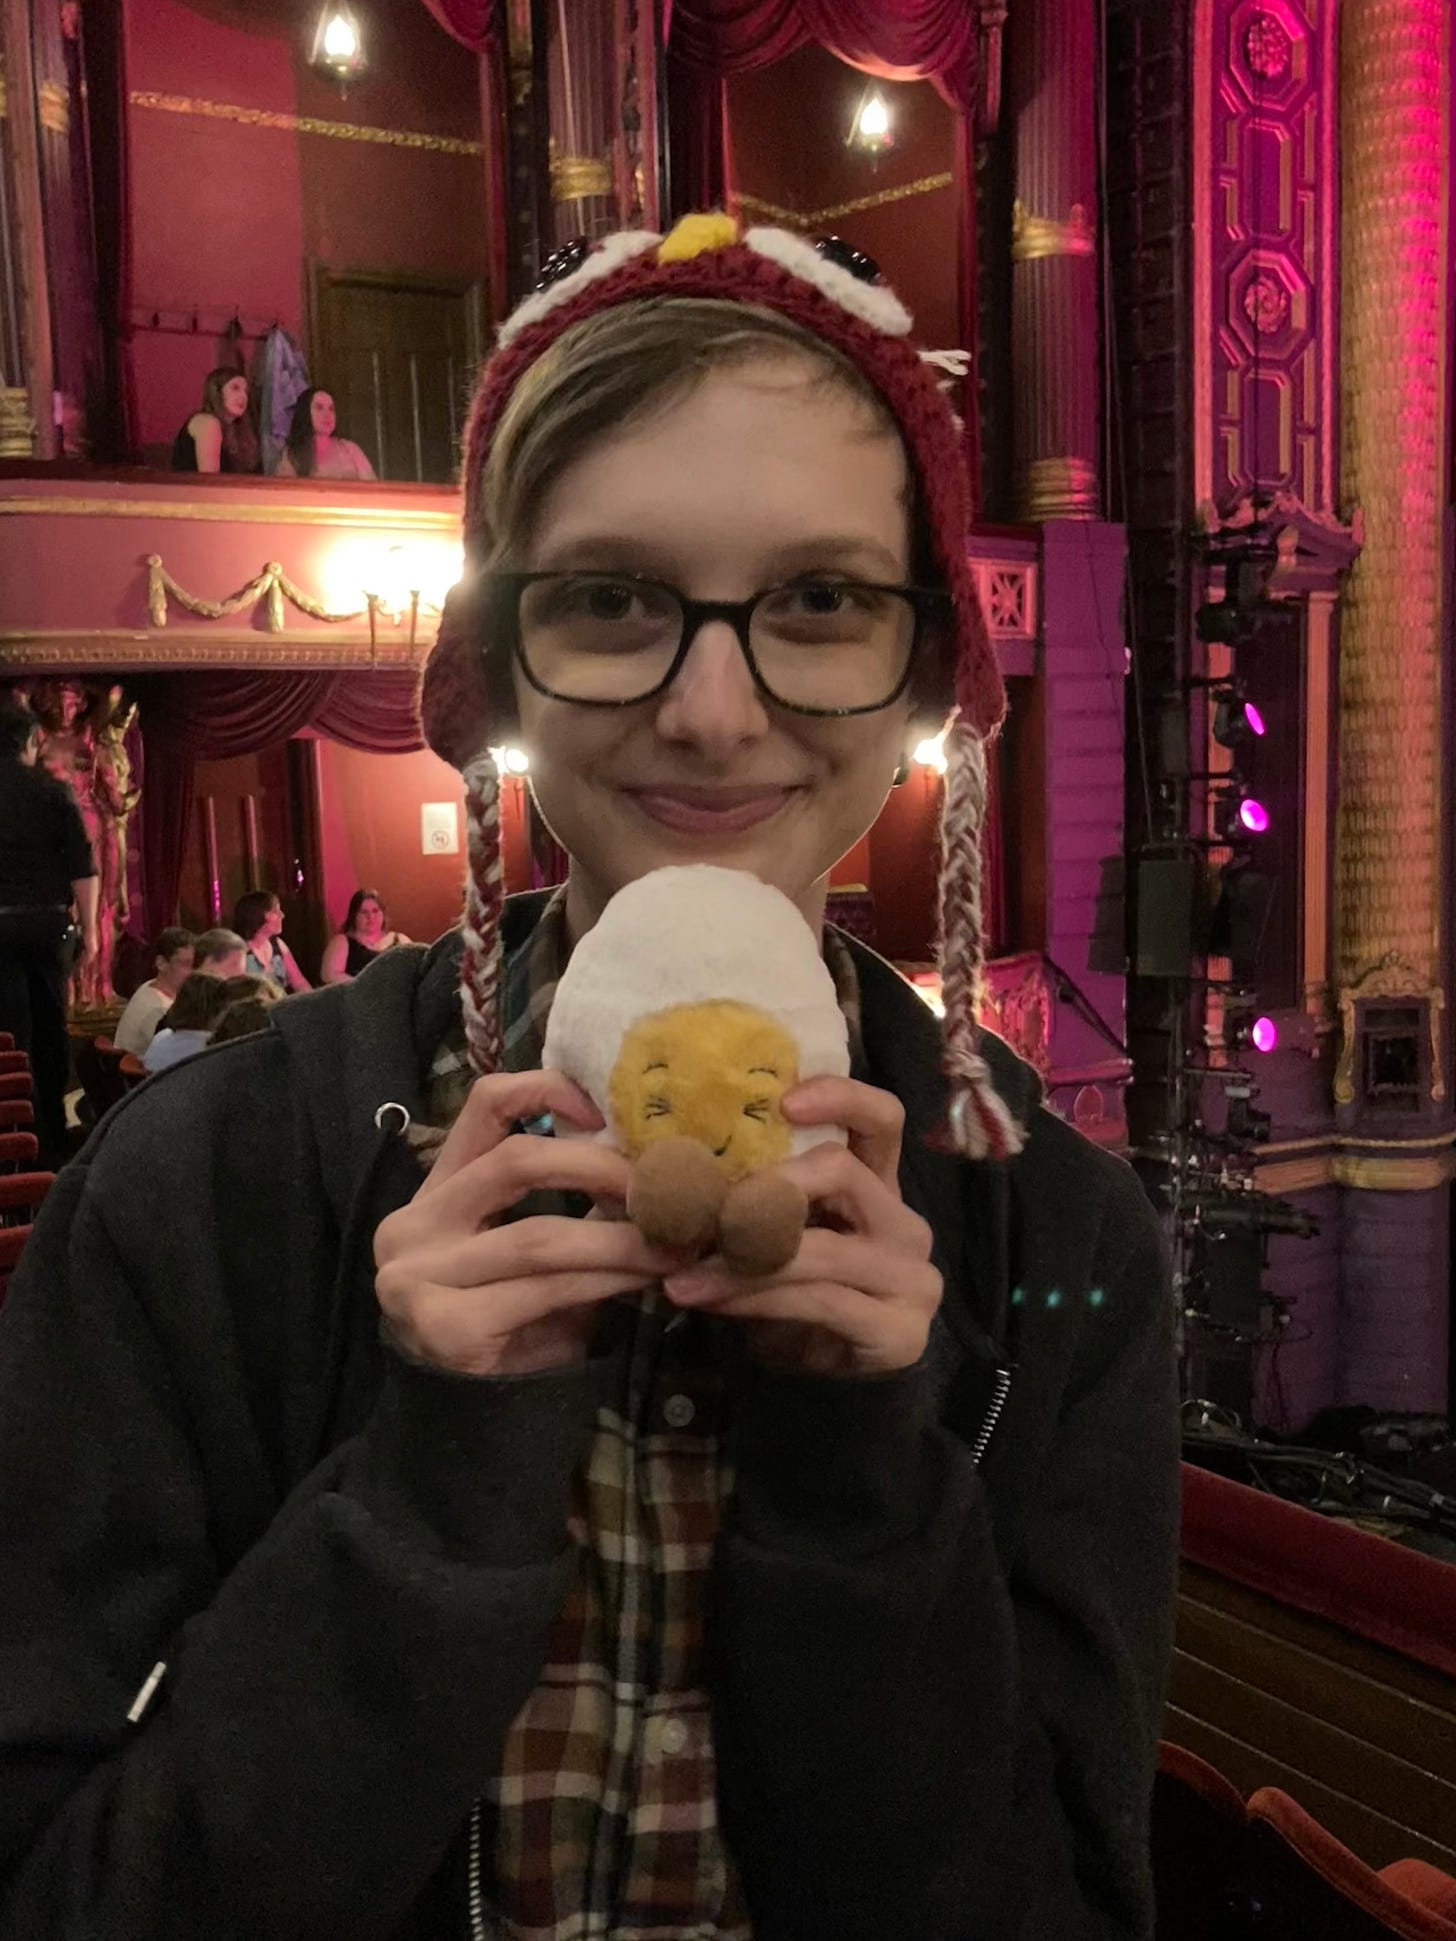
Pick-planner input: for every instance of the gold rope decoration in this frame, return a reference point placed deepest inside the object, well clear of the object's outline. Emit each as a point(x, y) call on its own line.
point(753, 205)
point(347, 131)
point(272, 584)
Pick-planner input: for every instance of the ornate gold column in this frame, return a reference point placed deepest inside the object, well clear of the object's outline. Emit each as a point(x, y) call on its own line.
point(1054, 337)
point(26, 365)
point(1395, 92)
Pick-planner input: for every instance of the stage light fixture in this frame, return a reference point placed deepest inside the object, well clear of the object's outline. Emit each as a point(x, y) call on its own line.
point(1235, 720)
point(1253, 816)
point(338, 44)
point(1265, 1035)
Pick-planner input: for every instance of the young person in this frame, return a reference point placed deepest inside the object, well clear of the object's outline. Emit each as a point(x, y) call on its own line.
point(173, 954)
point(201, 1004)
point(365, 933)
point(220, 437)
point(314, 449)
point(258, 919)
point(594, 1597)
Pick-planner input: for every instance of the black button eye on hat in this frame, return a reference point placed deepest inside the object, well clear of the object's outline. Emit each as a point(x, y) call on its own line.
point(834, 249)
point(563, 262)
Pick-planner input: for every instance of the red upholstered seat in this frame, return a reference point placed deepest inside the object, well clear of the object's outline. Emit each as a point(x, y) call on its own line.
point(22, 1193)
point(14, 1061)
point(16, 1115)
point(1224, 1871)
point(7, 1041)
point(18, 1150)
point(16, 1085)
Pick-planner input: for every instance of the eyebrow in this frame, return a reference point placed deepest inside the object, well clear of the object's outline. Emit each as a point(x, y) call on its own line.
point(633, 552)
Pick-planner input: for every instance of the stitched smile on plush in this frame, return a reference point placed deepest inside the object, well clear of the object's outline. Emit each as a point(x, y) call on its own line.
point(712, 1072)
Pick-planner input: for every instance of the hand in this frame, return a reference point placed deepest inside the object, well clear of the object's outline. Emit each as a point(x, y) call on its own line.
point(859, 1296)
point(90, 944)
point(466, 1294)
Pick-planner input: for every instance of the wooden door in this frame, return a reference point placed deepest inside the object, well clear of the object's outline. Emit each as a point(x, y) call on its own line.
point(399, 356)
point(254, 826)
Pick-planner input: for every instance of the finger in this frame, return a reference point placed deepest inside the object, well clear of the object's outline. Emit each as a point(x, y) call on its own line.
point(456, 1323)
point(874, 1120)
point(884, 1273)
point(494, 1107)
point(521, 1164)
point(545, 1245)
point(884, 1336)
point(837, 1181)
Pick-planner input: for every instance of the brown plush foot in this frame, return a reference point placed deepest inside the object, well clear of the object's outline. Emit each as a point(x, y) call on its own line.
point(675, 1196)
point(762, 1223)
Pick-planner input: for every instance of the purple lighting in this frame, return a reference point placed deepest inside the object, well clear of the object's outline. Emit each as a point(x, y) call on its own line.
point(1254, 718)
point(1253, 815)
point(1265, 1034)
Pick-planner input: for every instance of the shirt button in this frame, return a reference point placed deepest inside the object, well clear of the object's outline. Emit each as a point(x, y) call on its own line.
point(678, 1411)
point(674, 1737)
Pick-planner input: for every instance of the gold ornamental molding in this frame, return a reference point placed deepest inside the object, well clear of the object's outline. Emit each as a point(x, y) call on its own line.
point(810, 220)
point(282, 514)
point(271, 585)
point(53, 107)
point(1033, 237)
point(4, 105)
point(344, 131)
point(1377, 1173)
point(123, 650)
point(1365, 1165)
point(1059, 488)
point(1392, 977)
point(575, 177)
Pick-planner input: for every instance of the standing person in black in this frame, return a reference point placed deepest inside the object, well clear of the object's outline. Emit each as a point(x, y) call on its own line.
point(46, 866)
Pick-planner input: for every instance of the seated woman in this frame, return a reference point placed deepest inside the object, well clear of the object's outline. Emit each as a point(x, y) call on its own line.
point(313, 450)
point(258, 920)
point(363, 937)
point(196, 1010)
point(220, 437)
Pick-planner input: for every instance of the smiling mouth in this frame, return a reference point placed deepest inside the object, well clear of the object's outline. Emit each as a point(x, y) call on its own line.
point(710, 812)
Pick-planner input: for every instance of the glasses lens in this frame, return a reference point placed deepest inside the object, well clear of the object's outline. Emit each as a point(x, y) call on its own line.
point(831, 644)
point(598, 636)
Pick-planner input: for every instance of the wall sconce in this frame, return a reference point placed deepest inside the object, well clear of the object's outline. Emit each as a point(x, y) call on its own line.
point(338, 44)
point(870, 130)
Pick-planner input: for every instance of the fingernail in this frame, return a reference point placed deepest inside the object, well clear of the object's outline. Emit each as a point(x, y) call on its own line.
point(684, 1287)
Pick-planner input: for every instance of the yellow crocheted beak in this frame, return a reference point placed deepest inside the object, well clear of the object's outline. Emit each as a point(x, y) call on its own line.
point(695, 235)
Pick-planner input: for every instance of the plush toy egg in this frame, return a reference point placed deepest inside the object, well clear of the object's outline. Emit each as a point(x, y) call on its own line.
point(697, 1000)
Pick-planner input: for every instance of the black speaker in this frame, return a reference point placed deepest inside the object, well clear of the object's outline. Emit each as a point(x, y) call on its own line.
point(1165, 892)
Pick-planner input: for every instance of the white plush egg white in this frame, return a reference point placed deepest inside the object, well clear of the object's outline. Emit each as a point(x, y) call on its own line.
point(689, 936)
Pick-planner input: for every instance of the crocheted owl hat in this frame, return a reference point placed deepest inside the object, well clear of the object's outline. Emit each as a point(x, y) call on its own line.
point(837, 295)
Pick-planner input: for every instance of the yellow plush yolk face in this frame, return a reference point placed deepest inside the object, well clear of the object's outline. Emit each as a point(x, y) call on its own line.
point(712, 1072)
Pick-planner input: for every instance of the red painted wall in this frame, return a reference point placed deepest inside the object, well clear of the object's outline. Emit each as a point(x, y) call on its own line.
point(224, 215)
point(369, 823)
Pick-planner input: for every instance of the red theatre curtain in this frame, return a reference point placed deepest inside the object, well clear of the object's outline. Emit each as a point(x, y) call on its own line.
point(471, 22)
point(476, 25)
point(187, 718)
point(898, 40)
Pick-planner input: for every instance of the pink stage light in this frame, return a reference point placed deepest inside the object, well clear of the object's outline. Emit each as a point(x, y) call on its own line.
point(1253, 815)
point(1265, 1034)
point(1254, 718)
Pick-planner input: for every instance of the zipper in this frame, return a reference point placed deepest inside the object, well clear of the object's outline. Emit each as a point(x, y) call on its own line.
point(477, 1896)
point(993, 1416)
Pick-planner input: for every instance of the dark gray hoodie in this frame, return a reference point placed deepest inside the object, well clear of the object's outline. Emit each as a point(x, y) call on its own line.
point(939, 1612)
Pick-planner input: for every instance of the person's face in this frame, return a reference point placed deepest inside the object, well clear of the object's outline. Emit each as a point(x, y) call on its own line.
point(322, 415)
point(273, 922)
point(235, 396)
point(234, 964)
point(757, 477)
point(370, 920)
point(173, 971)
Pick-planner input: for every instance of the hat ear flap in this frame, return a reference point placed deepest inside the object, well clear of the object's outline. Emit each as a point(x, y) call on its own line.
point(454, 699)
point(981, 1125)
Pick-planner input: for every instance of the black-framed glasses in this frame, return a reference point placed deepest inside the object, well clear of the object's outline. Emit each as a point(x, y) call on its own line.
point(816, 645)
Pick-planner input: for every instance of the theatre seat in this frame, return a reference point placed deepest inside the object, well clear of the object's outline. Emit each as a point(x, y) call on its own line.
point(16, 1085)
point(14, 1061)
point(18, 1151)
point(21, 1196)
point(1224, 1871)
point(16, 1115)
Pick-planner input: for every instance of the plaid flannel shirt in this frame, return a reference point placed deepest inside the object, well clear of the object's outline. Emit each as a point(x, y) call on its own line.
point(605, 1810)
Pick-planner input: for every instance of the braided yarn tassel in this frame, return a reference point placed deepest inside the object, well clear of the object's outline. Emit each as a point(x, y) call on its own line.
point(480, 969)
point(981, 1126)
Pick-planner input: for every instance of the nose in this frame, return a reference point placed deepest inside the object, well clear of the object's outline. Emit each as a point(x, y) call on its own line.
point(712, 703)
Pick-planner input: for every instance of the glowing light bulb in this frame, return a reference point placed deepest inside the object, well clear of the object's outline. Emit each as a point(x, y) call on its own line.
point(1254, 718)
point(874, 119)
point(1253, 815)
point(341, 41)
point(1265, 1034)
point(931, 753)
point(515, 761)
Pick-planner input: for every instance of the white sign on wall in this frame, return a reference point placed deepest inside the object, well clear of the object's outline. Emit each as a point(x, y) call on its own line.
point(440, 828)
